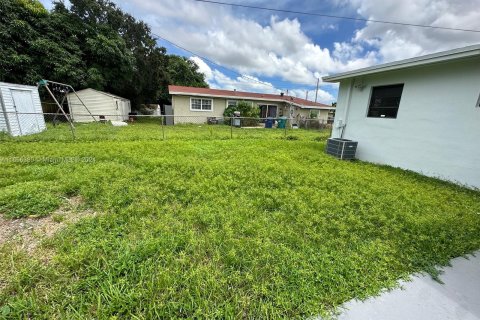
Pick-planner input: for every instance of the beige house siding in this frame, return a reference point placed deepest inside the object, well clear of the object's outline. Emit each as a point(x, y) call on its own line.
point(183, 113)
point(323, 115)
point(98, 103)
point(301, 113)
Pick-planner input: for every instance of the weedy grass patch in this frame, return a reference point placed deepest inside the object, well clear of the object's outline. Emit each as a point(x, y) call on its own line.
point(31, 198)
point(212, 227)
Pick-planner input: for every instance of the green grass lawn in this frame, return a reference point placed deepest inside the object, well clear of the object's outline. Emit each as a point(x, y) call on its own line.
point(203, 226)
point(151, 129)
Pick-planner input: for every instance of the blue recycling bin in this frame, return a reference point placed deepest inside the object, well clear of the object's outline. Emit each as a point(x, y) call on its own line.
point(269, 123)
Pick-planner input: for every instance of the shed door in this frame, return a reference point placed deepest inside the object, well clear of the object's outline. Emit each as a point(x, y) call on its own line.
point(124, 110)
point(119, 109)
point(23, 103)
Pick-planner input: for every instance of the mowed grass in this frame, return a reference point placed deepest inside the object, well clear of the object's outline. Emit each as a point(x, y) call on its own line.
point(210, 227)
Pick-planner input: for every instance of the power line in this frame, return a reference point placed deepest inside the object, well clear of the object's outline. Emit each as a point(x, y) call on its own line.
point(214, 63)
point(335, 16)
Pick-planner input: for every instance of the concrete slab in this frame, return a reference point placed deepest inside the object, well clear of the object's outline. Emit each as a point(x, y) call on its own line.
point(423, 298)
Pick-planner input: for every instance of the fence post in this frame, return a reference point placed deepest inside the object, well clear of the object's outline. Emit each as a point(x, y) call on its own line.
point(286, 124)
point(72, 128)
point(73, 134)
point(231, 128)
point(163, 129)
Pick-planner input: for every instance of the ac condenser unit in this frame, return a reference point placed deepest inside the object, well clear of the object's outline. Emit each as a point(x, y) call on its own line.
point(342, 148)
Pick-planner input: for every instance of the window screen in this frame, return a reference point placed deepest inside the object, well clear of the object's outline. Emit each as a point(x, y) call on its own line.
point(385, 101)
point(196, 104)
point(206, 104)
point(201, 104)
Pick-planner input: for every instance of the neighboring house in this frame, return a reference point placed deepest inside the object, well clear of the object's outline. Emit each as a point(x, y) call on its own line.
point(196, 105)
point(421, 114)
point(20, 109)
point(99, 103)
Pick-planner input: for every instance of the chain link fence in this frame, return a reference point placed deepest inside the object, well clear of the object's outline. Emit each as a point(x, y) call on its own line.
point(17, 126)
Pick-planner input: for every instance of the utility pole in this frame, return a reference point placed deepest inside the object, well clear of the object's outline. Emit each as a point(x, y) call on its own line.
point(316, 92)
point(306, 95)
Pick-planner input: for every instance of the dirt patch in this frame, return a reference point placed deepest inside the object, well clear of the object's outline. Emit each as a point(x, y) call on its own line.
point(27, 233)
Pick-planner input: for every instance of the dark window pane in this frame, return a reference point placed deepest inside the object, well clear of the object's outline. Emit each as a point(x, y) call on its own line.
point(206, 104)
point(385, 101)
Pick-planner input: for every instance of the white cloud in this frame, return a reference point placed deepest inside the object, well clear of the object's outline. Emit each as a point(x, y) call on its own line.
point(203, 68)
point(322, 95)
point(218, 80)
point(395, 42)
point(279, 48)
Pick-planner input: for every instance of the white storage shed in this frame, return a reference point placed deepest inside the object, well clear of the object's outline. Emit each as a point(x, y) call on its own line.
point(20, 109)
point(99, 103)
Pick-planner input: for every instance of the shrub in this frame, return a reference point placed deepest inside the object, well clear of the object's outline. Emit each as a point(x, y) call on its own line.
point(147, 109)
point(313, 114)
point(247, 110)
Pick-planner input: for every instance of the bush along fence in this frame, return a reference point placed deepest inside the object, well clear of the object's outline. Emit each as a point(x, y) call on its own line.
point(25, 126)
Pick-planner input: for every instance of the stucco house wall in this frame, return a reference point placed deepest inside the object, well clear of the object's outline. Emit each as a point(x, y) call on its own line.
point(304, 113)
point(183, 113)
point(437, 129)
point(323, 115)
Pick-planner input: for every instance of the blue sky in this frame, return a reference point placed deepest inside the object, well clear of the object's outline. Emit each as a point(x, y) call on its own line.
point(290, 51)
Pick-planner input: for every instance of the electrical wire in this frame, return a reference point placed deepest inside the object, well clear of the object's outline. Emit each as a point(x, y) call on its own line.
point(249, 78)
point(336, 17)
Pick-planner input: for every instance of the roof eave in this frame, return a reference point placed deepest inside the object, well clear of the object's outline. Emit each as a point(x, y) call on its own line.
point(317, 107)
point(223, 96)
point(101, 92)
point(444, 56)
point(239, 97)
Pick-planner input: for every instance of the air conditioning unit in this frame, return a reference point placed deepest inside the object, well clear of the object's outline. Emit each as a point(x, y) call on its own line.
point(342, 148)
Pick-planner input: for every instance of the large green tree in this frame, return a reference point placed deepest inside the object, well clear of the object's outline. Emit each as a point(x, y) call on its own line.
point(30, 46)
point(90, 43)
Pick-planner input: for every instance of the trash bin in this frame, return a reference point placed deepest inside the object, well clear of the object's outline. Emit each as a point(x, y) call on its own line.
point(282, 122)
point(236, 119)
point(269, 123)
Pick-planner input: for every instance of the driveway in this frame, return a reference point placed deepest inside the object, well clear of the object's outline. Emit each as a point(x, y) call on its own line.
point(423, 298)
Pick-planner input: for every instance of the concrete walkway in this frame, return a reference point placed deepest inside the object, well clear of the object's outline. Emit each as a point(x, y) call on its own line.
point(423, 298)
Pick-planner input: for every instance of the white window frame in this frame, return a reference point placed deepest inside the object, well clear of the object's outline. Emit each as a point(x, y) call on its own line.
point(201, 104)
